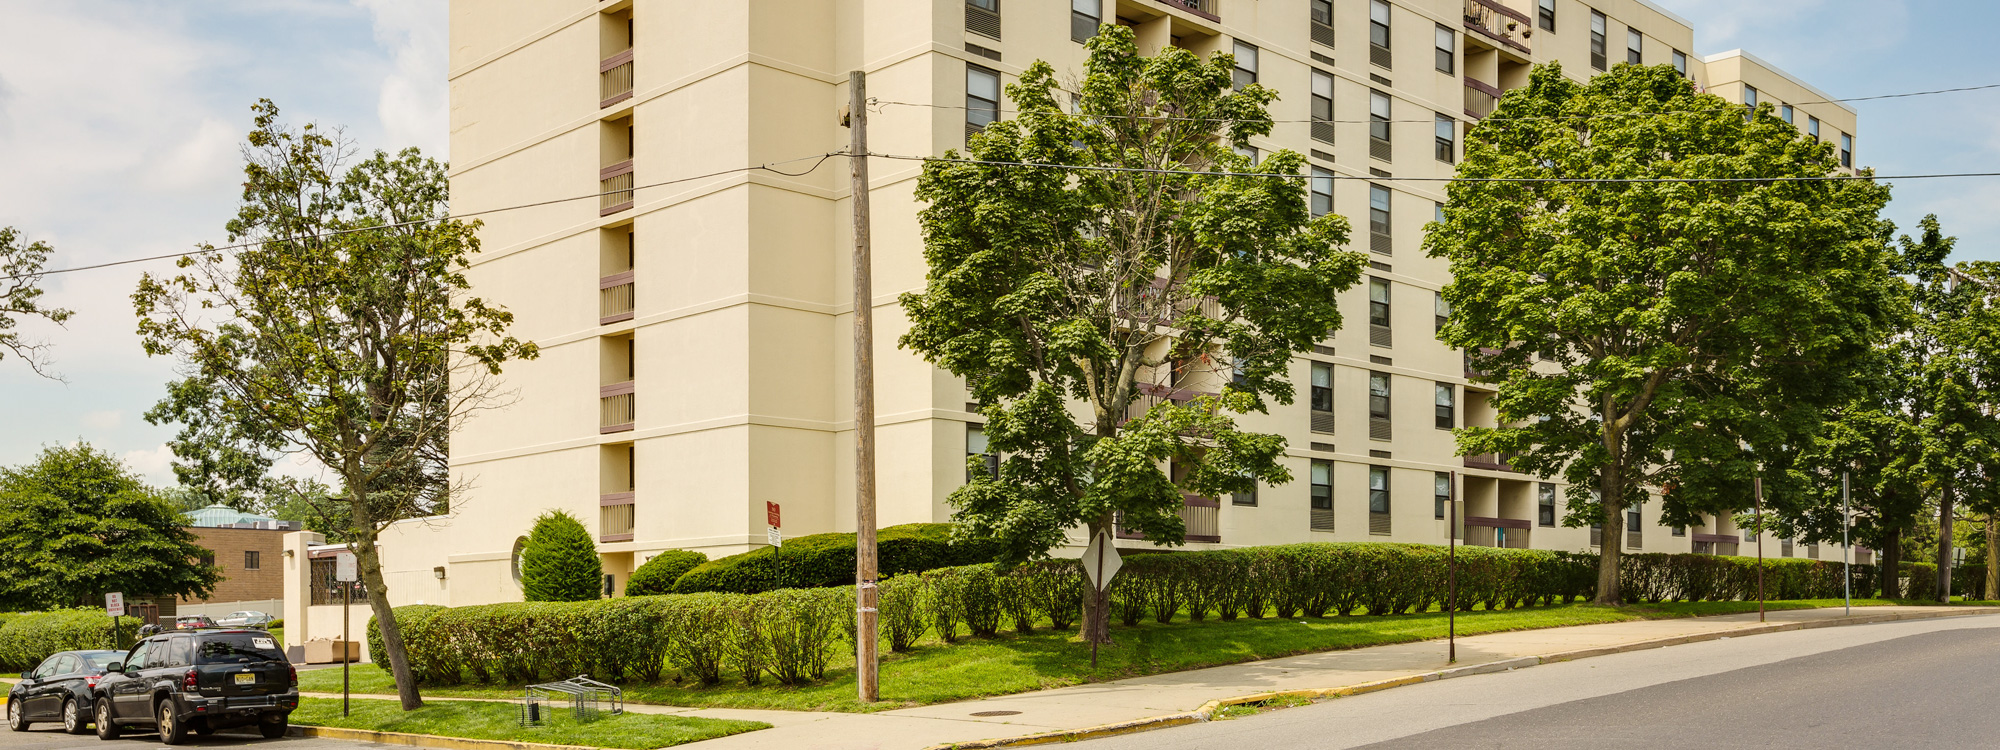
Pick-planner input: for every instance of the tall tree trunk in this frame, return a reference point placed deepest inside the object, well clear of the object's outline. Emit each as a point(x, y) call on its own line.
point(1944, 544)
point(1891, 565)
point(1609, 486)
point(1992, 558)
point(370, 562)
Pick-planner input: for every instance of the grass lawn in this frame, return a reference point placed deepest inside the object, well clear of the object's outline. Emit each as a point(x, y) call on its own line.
point(499, 721)
point(1011, 663)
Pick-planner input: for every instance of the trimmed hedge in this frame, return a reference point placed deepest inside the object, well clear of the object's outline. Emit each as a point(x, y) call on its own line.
point(823, 560)
point(27, 639)
point(658, 575)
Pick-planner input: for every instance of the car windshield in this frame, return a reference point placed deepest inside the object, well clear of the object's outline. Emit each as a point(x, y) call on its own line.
point(102, 659)
point(239, 648)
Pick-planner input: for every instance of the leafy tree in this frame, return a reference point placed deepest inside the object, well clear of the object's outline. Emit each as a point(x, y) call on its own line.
point(1641, 333)
point(214, 458)
point(658, 575)
point(342, 328)
point(1111, 321)
point(20, 296)
point(76, 524)
point(559, 562)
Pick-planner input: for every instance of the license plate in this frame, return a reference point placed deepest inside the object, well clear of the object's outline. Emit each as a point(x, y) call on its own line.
point(246, 679)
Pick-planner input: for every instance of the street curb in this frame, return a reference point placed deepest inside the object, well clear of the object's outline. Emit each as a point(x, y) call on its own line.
point(422, 740)
point(1208, 710)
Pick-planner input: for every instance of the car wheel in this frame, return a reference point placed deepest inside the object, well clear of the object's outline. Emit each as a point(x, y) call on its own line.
point(274, 729)
point(172, 731)
point(72, 717)
point(16, 720)
point(106, 728)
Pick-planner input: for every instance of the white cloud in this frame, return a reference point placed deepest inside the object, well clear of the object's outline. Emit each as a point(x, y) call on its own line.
point(414, 95)
point(104, 420)
point(155, 465)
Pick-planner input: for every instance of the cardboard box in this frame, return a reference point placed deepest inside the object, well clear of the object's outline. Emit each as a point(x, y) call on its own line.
point(327, 651)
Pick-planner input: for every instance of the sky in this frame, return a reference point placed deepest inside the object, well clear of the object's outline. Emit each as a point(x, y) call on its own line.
point(120, 122)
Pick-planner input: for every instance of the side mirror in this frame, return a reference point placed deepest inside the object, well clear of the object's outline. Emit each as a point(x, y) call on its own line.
point(27, 677)
point(114, 667)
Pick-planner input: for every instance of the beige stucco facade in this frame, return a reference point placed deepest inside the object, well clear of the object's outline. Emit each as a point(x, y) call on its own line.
point(725, 384)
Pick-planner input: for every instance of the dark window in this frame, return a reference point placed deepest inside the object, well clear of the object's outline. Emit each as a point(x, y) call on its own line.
point(1378, 489)
point(1378, 302)
point(983, 17)
point(1322, 387)
point(238, 648)
point(1545, 504)
point(1322, 106)
point(1322, 22)
point(1846, 151)
point(253, 560)
point(1447, 406)
point(1084, 18)
point(1680, 531)
point(1246, 66)
point(1378, 116)
point(1441, 310)
point(1378, 395)
point(975, 445)
point(1245, 498)
point(1447, 139)
point(1546, 15)
point(1597, 53)
point(208, 560)
point(1635, 44)
point(180, 653)
point(982, 97)
point(1322, 191)
point(1632, 520)
point(1447, 48)
point(1441, 492)
point(1322, 485)
point(1681, 63)
point(142, 653)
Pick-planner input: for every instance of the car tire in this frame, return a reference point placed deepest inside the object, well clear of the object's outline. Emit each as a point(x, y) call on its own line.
point(274, 729)
point(16, 720)
point(172, 730)
point(106, 728)
point(73, 720)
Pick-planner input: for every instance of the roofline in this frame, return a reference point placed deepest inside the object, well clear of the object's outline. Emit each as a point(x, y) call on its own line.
point(1654, 7)
point(1782, 73)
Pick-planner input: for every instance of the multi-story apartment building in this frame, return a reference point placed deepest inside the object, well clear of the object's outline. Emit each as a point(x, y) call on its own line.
point(694, 321)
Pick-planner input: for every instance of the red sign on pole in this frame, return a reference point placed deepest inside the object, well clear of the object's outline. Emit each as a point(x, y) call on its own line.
point(771, 514)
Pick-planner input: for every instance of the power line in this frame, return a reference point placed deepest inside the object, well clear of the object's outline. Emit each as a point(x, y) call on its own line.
point(1531, 180)
point(764, 167)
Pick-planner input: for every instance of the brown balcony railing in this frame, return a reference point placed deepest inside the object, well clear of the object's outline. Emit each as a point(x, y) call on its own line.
point(1201, 516)
point(1202, 8)
point(614, 79)
point(614, 298)
point(614, 188)
point(615, 517)
point(1509, 27)
point(1483, 87)
point(1491, 461)
point(616, 412)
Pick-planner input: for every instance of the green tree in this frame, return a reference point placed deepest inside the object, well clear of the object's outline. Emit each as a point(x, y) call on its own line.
point(1111, 320)
point(559, 562)
point(20, 296)
point(76, 524)
point(215, 460)
point(343, 328)
point(1640, 333)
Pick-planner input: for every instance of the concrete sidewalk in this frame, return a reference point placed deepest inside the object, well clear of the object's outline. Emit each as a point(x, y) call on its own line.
point(1185, 697)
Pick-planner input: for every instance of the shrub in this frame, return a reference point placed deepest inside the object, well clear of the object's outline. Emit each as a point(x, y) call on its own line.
point(701, 632)
point(944, 603)
point(276, 624)
point(798, 627)
point(27, 639)
point(901, 606)
point(659, 574)
point(824, 560)
point(559, 562)
point(1016, 605)
point(1055, 588)
point(979, 599)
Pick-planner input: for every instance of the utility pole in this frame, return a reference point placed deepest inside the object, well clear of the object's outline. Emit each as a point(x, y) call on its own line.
point(1846, 549)
point(1451, 574)
point(1945, 513)
point(1757, 487)
point(865, 648)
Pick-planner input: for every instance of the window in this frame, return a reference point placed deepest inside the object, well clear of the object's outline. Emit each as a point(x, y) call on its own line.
point(1447, 416)
point(1322, 485)
point(1680, 531)
point(975, 445)
point(1246, 151)
point(1749, 96)
point(1545, 504)
point(1322, 191)
point(1812, 127)
point(1322, 387)
point(1245, 498)
point(180, 653)
point(1441, 309)
point(253, 560)
point(982, 98)
point(1322, 106)
point(1084, 18)
point(1846, 151)
point(1597, 24)
point(1632, 521)
point(1635, 43)
point(1447, 46)
point(983, 17)
point(208, 560)
point(1378, 116)
point(1681, 63)
point(1378, 302)
point(1378, 395)
point(141, 653)
point(1785, 111)
point(1246, 66)
point(1322, 22)
point(1378, 219)
point(1378, 33)
point(1546, 15)
point(1440, 492)
point(1378, 489)
point(1447, 139)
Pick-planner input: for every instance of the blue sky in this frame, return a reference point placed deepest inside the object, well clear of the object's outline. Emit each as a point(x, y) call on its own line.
point(119, 124)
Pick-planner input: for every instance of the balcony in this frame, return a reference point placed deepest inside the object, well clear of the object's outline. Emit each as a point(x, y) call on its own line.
point(1491, 461)
point(1505, 26)
point(1201, 8)
point(614, 188)
point(614, 79)
point(616, 410)
point(615, 517)
point(1201, 516)
point(614, 298)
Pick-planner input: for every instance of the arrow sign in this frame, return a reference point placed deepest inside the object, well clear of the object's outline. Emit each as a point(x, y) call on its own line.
point(1101, 562)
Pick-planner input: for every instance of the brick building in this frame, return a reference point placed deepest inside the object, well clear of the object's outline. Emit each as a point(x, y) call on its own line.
point(247, 549)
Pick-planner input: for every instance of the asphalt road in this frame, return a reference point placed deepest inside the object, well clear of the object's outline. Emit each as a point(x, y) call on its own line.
point(51, 737)
point(1924, 684)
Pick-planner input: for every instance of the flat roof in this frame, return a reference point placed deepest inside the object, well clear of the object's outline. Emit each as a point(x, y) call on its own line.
point(1761, 62)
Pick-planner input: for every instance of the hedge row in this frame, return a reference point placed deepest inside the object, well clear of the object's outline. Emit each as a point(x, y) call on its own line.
point(1655, 577)
point(27, 639)
point(822, 560)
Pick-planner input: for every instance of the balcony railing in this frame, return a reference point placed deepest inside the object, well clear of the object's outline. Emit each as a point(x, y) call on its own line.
point(614, 79)
point(1201, 516)
point(1483, 87)
point(1500, 23)
point(615, 517)
point(614, 188)
point(614, 298)
point(616, 412)
point(1202, 8)
point(1491, 461)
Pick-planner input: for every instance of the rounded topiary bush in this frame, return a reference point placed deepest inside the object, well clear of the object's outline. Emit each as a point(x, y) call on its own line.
point(658, 575)
point(559, 562)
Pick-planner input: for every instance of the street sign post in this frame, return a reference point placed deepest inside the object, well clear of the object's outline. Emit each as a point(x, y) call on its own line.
point(345, 572)
point(775, 537)
point(1100, 563)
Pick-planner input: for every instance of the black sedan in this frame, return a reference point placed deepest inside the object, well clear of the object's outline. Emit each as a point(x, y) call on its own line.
point(59, 690)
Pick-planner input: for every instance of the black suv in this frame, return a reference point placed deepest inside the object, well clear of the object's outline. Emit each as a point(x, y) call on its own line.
point(204, 681)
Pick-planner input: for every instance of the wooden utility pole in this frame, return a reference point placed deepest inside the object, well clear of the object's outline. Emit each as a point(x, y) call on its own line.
point(1945, 515)
point(1451, 573)
point(1757, 487)
point(865, 647)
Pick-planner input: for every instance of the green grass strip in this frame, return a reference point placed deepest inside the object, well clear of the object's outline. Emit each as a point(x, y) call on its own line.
point(500, 721)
